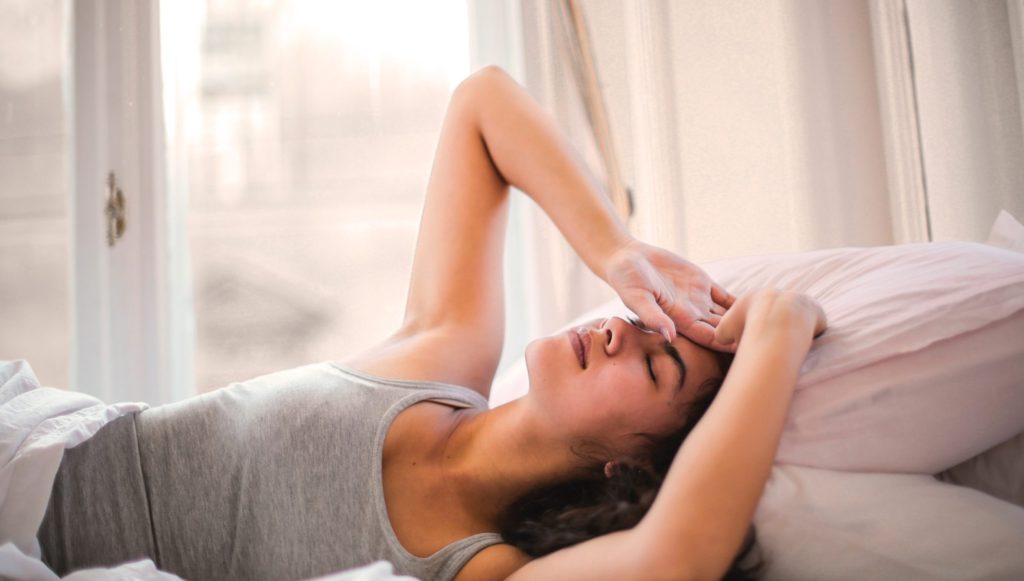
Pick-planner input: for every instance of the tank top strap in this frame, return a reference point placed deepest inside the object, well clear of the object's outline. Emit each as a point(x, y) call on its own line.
point(447, 562)
point(455, 395)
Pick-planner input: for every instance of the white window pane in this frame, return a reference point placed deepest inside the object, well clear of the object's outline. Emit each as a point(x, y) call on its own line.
point(312, 127)
point(34, 229)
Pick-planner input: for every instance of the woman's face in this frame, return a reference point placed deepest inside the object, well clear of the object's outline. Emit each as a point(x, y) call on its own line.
point(629, 384)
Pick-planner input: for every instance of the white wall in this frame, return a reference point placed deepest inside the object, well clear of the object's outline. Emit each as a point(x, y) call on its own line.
point(778, 127)
point(969, 114)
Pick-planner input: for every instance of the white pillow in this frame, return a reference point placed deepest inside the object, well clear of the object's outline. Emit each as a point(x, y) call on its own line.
point(823, 524)
point(922, 412)
point(886, 300)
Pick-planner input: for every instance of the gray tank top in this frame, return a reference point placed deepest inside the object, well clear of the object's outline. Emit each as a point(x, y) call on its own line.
point(279, 477)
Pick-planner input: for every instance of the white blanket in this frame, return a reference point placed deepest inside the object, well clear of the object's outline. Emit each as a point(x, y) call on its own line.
point(36, 425)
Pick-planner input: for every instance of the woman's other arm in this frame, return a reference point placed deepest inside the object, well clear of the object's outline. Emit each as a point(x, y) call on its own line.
point(697, 523)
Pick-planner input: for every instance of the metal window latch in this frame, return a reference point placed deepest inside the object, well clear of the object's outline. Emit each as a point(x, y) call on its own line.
point(114, 211)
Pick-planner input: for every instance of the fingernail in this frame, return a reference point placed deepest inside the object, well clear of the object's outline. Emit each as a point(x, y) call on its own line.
point(666, 334)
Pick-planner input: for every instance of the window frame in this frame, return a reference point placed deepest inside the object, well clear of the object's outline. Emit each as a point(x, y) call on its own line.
point(131, 324)
point(133, 321)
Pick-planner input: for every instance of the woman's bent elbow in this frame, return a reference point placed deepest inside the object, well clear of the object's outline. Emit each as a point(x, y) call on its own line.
point(483, 83)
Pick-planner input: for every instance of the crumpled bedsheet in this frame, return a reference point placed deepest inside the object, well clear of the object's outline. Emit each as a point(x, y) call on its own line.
point(36, 425)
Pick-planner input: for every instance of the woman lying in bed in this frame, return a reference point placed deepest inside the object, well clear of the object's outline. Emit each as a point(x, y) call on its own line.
point(385, 456)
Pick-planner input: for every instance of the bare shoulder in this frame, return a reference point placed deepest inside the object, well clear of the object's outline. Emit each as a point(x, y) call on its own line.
point(494, 562)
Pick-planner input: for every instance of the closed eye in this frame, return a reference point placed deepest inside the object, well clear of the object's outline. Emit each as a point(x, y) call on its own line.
point(670, 350)
point(651, 371)
point(636, 322)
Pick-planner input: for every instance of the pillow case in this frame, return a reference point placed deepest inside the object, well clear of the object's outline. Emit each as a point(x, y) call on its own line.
point(887, 300)
point(922, 412)
point(822, 524)
point(919, 369)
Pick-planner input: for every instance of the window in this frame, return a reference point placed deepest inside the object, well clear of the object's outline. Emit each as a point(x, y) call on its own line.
point(310, 132)
point(34, 226)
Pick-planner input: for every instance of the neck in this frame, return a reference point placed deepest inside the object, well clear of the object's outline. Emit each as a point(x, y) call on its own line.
point(491, 458)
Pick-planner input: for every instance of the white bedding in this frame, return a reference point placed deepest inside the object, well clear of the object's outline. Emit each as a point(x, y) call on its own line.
point(38, 423)
point(815, 520)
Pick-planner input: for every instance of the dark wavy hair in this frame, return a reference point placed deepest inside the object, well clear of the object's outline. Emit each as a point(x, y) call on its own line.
point(591, 504)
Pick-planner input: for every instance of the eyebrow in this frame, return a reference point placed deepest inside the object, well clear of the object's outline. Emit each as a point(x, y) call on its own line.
point(670, 350)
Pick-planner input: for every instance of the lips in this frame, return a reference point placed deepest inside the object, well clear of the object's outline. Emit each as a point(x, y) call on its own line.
point(580, 339)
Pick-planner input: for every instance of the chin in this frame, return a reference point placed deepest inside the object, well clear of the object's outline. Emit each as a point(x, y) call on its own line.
point(537, 351)
point(532, 356)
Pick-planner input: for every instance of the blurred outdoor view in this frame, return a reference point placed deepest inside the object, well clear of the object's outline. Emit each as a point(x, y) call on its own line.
point(310, 130)
point(307, 130)
point(35, 272)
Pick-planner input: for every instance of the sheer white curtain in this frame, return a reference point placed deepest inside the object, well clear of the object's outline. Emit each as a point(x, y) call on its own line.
point(952, 82)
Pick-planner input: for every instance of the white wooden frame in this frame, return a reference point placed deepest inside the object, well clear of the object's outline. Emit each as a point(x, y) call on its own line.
point(908, 193)
point(130, 341)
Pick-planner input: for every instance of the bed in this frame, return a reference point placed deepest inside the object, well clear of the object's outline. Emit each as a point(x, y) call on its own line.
point(902, 456)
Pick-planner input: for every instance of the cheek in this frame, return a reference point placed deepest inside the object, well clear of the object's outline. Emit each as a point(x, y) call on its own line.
point(637, 407)
point(618, 401)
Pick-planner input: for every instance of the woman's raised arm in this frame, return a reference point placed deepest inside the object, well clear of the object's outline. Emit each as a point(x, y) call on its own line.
point(494, 135)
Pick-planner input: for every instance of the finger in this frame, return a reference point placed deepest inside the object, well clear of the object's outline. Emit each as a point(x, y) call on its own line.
point(722, 296)
point(666, 329)
point(730, 348)
point(729, 329)
point(700, 333)
point(717, 309)
point(713, 320)
point(685, 316)
point(704, 335)
point(655, 318)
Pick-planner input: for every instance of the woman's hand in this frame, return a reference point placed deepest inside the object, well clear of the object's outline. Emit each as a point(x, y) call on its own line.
point(770, 307)
point(668, 293)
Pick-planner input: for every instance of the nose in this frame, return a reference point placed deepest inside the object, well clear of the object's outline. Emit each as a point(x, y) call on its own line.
point(614, 333)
